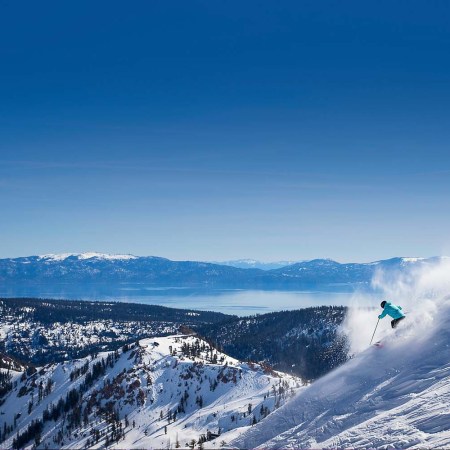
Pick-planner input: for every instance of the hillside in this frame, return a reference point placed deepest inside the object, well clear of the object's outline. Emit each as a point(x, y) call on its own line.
point(42, 331)
point(158, 393)
point(307, 342)
point(394, 396)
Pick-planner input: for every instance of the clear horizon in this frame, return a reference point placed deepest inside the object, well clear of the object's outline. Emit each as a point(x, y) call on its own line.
point(214, 131)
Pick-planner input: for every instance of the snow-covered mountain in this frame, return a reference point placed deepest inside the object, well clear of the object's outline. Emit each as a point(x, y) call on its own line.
point(39, 332)
point(329, 271)
point(396, 395)
point(113, 269)
point(159, 393)
point(178, 391)
point(90, 268)
point(87, 255)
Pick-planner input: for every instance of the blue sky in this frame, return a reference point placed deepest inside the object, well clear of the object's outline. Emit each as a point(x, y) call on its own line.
point(222, 129)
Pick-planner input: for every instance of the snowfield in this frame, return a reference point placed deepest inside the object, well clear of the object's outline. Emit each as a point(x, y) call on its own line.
point(154, 394)
point(393, 396)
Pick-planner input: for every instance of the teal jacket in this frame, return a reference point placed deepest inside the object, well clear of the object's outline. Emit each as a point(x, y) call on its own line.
point(394, 311)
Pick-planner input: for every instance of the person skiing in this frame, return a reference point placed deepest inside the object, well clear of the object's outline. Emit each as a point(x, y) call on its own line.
point(392, 310)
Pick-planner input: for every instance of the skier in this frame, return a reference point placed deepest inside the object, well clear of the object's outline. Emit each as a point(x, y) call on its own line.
point(394, 311)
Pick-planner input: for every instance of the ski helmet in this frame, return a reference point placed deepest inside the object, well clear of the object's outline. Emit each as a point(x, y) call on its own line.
point(383, 303)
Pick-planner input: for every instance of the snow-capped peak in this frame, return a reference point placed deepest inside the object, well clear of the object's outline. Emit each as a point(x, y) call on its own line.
point(87, 255)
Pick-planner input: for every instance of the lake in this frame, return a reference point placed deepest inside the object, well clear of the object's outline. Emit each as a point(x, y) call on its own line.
point(235, 301)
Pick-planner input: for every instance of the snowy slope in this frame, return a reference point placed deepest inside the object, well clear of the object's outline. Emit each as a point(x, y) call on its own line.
point(396, 396)
point(134, 401)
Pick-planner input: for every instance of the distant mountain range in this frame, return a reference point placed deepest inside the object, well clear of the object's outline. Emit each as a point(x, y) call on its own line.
point(254, 264)
point(91, 268)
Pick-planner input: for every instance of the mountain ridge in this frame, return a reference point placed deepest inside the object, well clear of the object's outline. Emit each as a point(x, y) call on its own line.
point(92, 267)
point(151, 394)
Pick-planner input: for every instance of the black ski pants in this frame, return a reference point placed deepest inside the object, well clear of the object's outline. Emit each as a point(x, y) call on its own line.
point(395, 322)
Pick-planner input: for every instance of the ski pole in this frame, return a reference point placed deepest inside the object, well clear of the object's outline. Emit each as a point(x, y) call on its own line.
point(376, 326)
